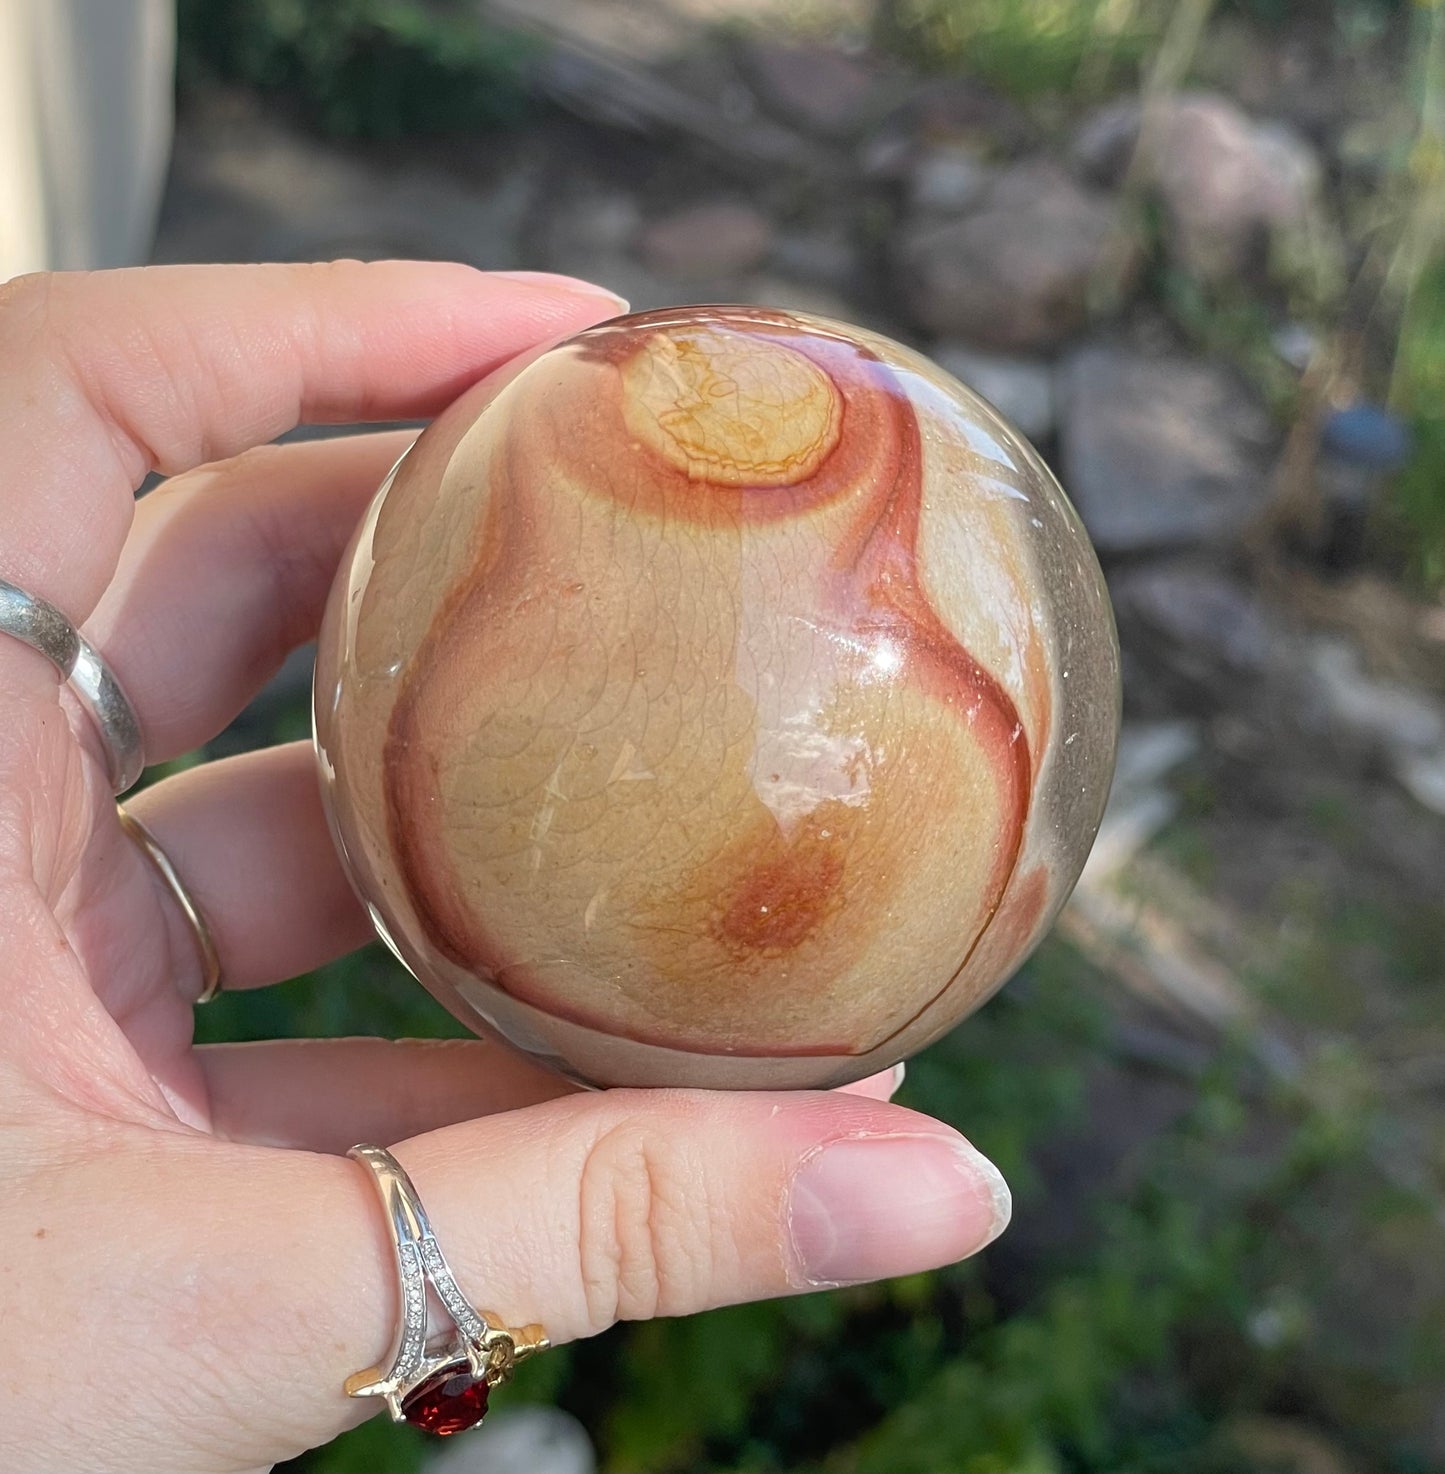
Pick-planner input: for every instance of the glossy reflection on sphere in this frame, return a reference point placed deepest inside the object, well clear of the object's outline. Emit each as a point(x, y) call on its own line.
point(724, 697)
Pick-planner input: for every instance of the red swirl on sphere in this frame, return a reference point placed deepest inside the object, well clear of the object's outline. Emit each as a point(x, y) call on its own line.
point(689, 739)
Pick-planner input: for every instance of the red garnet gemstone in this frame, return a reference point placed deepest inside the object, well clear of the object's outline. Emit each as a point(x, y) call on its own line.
point(451, 1400)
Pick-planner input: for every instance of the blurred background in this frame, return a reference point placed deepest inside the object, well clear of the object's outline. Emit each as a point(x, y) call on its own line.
point(1196, 251)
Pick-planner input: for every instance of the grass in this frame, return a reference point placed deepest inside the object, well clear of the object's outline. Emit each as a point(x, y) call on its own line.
point(1028, 48)
point(1420, 396)
point(1415, 285)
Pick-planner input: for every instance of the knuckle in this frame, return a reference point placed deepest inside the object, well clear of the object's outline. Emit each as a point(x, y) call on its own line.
point(289, 545)
point(644, 1235)
point(25, 303)
point(342, 268)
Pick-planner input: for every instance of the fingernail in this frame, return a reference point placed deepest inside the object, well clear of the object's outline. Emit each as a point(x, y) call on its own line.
point(572, 285)
point(900, 1070)
point(869, 1208)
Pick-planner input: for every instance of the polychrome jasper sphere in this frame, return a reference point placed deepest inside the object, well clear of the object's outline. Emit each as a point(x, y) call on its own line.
point(723, 697)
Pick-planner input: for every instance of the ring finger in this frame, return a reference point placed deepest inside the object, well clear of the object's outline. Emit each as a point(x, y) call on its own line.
point(273, 892)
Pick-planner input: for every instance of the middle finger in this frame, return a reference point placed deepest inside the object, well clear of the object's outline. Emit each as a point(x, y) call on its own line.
point(226, 570)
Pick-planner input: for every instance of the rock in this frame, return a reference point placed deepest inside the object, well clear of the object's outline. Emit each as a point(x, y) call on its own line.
point(960, 110)
point(1290, 175)
point(1140, 804)
point(1150, 751)
point(825, 255)
point(707, 241)
point(1102, 147)
point(1295, 344)
point(947, 180)
point(1284, 1446)
point(1133, 819)
point(952, 116)
point(643, 290)
point(1363, 708)
point(592, 232)
point(695, 95)
point(418, 215)
point(1209, 628)
point(1229, 185)
point(1014, 274)
point(769, 290)
point(1211, 624)
point(1159, 451)
point(1399, 725)
point(245, 186)
point(519, 1440)
point(604, 223)
point(818, 89)
point(1020, 389)
point(1422, 776)
point(886, 157)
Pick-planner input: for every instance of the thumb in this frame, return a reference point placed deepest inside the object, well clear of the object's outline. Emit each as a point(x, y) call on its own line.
point(628, 1204)
point(258, 1279)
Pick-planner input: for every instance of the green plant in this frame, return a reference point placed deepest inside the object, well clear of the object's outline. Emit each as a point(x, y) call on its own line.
point(1420, 395)
point(1027, 47)
point(1416, 278)
point(1230, 323)
point(362, 68)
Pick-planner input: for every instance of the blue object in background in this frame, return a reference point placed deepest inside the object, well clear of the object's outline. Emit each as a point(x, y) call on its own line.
point(1366, 435)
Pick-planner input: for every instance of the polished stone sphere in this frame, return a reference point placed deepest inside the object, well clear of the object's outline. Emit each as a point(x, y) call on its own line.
point(723, 697)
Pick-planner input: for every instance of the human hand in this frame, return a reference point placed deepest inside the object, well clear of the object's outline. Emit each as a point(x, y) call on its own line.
point(189, 1270)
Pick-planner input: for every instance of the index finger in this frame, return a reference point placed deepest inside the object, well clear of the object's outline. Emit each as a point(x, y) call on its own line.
point(111, 375)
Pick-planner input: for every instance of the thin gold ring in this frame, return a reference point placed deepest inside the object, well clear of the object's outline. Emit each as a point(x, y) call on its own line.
point(205, 942)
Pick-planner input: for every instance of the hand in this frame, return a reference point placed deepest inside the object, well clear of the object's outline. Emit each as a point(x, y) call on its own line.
point(188, 1270)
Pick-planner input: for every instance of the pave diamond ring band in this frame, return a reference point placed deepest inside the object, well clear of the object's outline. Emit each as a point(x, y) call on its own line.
point(441, 1383)
point(38, 623)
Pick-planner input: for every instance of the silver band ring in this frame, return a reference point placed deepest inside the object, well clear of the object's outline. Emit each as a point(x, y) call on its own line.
point(440, 1384)
point(149, 846)
point(38, 623)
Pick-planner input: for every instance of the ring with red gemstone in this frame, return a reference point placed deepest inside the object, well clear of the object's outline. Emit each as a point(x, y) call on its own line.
point(438, 1383)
